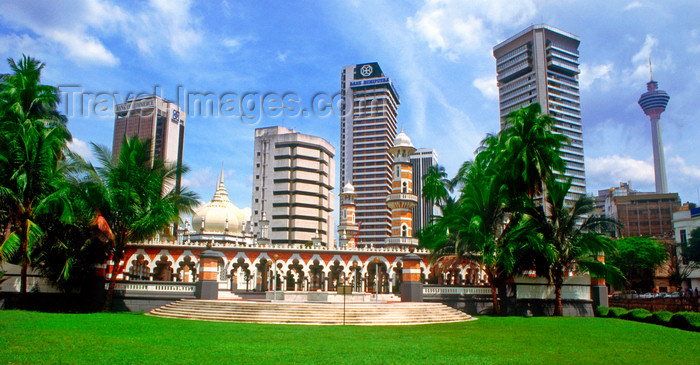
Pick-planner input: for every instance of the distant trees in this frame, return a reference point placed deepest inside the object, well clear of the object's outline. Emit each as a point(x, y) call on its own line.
point(638, 258)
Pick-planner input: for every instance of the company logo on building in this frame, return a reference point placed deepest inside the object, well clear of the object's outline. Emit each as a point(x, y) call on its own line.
point(368, 70)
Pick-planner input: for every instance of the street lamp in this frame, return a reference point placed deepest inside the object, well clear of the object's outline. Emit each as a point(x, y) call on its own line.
point(275, 273)
point(376, 279)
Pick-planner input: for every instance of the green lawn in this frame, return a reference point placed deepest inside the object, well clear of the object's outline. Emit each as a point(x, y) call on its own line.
point(122, 338)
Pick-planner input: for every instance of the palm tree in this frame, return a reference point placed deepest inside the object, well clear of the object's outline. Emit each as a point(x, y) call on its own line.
point(436, 185)
point(32, 142)
point(571, 239)
point(127, 198)
point(528, 150)
point(478, 227)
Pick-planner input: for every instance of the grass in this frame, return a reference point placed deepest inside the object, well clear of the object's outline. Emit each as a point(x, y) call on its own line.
point(32, 337)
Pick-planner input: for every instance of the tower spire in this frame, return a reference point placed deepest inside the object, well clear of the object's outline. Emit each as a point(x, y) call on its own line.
point(651, 76)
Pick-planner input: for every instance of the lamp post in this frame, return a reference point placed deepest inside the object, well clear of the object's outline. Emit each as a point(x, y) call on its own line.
point(275, 273)
point(376, 279)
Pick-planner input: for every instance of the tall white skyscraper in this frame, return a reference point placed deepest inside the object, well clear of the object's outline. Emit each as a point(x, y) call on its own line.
point(367, 131)
point(540, 65)
point(293, 181)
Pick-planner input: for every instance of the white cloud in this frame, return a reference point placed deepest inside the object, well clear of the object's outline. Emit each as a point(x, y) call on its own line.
point(68, 27)
point(200, 179)
point(616, 168)
point(634, 5)
point(457, 28)
point(76, 27)
point(679, 166)
point(85, 48)
point(282, 56)
point(80, 147)
point(591, 73)
point(488, 87)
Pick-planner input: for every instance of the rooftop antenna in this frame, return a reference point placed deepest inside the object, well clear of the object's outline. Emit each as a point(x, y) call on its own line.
point(651, 78)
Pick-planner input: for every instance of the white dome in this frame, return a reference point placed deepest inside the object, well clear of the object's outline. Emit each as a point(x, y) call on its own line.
point(402, 140)
point(348, 189)
point(220, 214)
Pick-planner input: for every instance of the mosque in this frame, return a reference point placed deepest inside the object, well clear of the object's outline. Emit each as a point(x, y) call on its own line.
point(248, 263)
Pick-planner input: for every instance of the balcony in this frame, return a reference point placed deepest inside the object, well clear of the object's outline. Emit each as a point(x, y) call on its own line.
point(401, 241)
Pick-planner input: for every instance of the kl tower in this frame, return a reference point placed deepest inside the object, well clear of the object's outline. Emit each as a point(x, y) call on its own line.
point(654, 102)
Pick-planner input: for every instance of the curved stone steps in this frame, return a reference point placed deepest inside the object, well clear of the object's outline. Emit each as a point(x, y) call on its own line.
point(311, 313)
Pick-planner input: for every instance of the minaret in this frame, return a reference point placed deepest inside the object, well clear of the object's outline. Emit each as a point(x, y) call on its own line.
point(347, 229)
point(402, 200)
point(654, 102)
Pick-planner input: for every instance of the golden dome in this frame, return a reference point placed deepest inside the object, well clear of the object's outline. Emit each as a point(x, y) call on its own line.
point(220, 215)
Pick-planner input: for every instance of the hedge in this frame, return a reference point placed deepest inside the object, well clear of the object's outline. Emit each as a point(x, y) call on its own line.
point(639, 315)
point(686, 320)
point(616, 312)
point(661, 317)
point(602, 311)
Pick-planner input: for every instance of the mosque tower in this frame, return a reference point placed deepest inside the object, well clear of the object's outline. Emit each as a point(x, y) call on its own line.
point(347, 229)
point(654, 102)
point(402, 200)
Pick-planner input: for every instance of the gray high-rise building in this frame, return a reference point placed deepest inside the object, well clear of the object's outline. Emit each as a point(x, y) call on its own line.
point(421, 160)
point(369, 104)
point(152, 117)
point(540, 65)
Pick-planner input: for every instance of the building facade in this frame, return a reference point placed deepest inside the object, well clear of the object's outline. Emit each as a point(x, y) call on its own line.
point(540, 65)
point(151, 117)
point(685, 221)
point(369, 104)
point(402, 200)
point(347, 227)
point(293, 179)
point(421, 160)
point(641, 214)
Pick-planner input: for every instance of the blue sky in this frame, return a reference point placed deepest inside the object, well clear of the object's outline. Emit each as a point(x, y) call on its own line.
point(438, 53)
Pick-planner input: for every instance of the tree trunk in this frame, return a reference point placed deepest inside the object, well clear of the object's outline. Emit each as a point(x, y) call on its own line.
point(494, 294)
point(23, 261)
point(112, 283)
point(558, 280)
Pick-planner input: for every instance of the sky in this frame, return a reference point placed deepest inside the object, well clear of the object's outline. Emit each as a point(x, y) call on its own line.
point(438, 53)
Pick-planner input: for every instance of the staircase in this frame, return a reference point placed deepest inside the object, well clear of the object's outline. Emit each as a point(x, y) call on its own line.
point(369, 314)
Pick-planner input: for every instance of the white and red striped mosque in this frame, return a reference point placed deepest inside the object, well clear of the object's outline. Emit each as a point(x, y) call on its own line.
point(254, 264)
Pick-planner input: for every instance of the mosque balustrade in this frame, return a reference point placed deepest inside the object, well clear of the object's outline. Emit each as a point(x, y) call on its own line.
point(137, 286)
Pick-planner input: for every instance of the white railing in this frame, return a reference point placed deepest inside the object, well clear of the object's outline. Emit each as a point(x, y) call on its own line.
point(277, 247)
point(456, 290)
point(155, 287)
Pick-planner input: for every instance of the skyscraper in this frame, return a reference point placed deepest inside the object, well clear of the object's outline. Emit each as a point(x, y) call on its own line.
point(151, 117)
point(367, 131)
point(293, 180)
point(422, 212)
point(653, 103)
point(540, 65)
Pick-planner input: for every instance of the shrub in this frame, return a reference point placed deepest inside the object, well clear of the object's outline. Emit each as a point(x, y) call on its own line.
point(601, 311)
point(639, 315)
point(616, 312)
point(661, 317)
point(686, 320)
